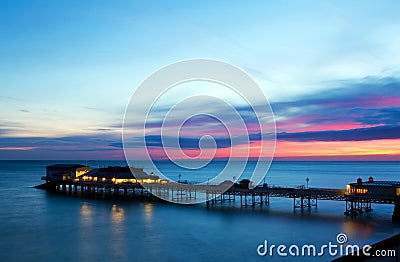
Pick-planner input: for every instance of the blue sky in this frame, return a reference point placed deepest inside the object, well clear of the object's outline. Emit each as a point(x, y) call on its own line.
point(68, 68)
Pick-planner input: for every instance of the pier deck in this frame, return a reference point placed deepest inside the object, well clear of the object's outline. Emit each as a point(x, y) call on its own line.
point(303, 198)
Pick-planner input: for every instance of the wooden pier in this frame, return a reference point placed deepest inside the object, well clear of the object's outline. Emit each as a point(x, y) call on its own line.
point(303, 198)
point(131, 183)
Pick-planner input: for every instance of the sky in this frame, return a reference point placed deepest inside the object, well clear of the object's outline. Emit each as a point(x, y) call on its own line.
point(330, 70)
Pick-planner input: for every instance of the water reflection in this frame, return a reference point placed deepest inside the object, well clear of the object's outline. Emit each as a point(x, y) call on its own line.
point(118, 231)
point(117, 214)
point(358, 229)
point(86, 233)
point(86, 214)
point(148, 211)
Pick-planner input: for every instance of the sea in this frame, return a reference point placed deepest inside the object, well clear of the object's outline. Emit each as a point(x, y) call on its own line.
point(36, 225)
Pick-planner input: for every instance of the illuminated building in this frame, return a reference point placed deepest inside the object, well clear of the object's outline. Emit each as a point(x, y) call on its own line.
point(65, 171)
point(371, 188)
point(119, 175)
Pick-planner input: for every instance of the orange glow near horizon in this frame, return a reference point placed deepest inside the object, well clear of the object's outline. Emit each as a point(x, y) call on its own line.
point(338, 148)
point(323, 149)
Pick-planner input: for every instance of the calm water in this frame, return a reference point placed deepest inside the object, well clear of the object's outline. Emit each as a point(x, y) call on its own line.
point(36, 225)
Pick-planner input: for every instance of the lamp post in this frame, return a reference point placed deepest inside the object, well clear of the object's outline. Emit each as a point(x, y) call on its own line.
point(179, 180)
point(307, 179)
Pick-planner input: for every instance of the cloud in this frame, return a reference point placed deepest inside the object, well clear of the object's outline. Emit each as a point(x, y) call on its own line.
point(358, 110)
point(66, 143)
point(10, 128)
point(95, 108)
point(116, 144)
point(370, 101)
point(368, 109)
point(185, 142)
point(10, 98)
point(358, 134)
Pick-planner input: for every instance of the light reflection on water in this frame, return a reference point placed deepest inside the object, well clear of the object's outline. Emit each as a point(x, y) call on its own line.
point(86, 215)
point(354, 228)
point(148, 211)
point(118, 227)
point(117, 215)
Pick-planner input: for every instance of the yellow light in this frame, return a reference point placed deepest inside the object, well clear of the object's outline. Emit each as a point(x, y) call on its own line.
point(361, 190)
point(81, 171)
point(148, 181)
point(103, 179)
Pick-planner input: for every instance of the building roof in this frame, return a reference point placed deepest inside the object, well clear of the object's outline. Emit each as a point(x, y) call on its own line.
point(378, 184)
point(119, 172)
point(64, 166)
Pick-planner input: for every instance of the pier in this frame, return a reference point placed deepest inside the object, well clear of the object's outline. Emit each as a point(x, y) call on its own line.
point(122, 182)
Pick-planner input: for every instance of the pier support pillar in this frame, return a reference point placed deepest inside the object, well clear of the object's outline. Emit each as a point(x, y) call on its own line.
point(115, 191)
point(396, 210)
